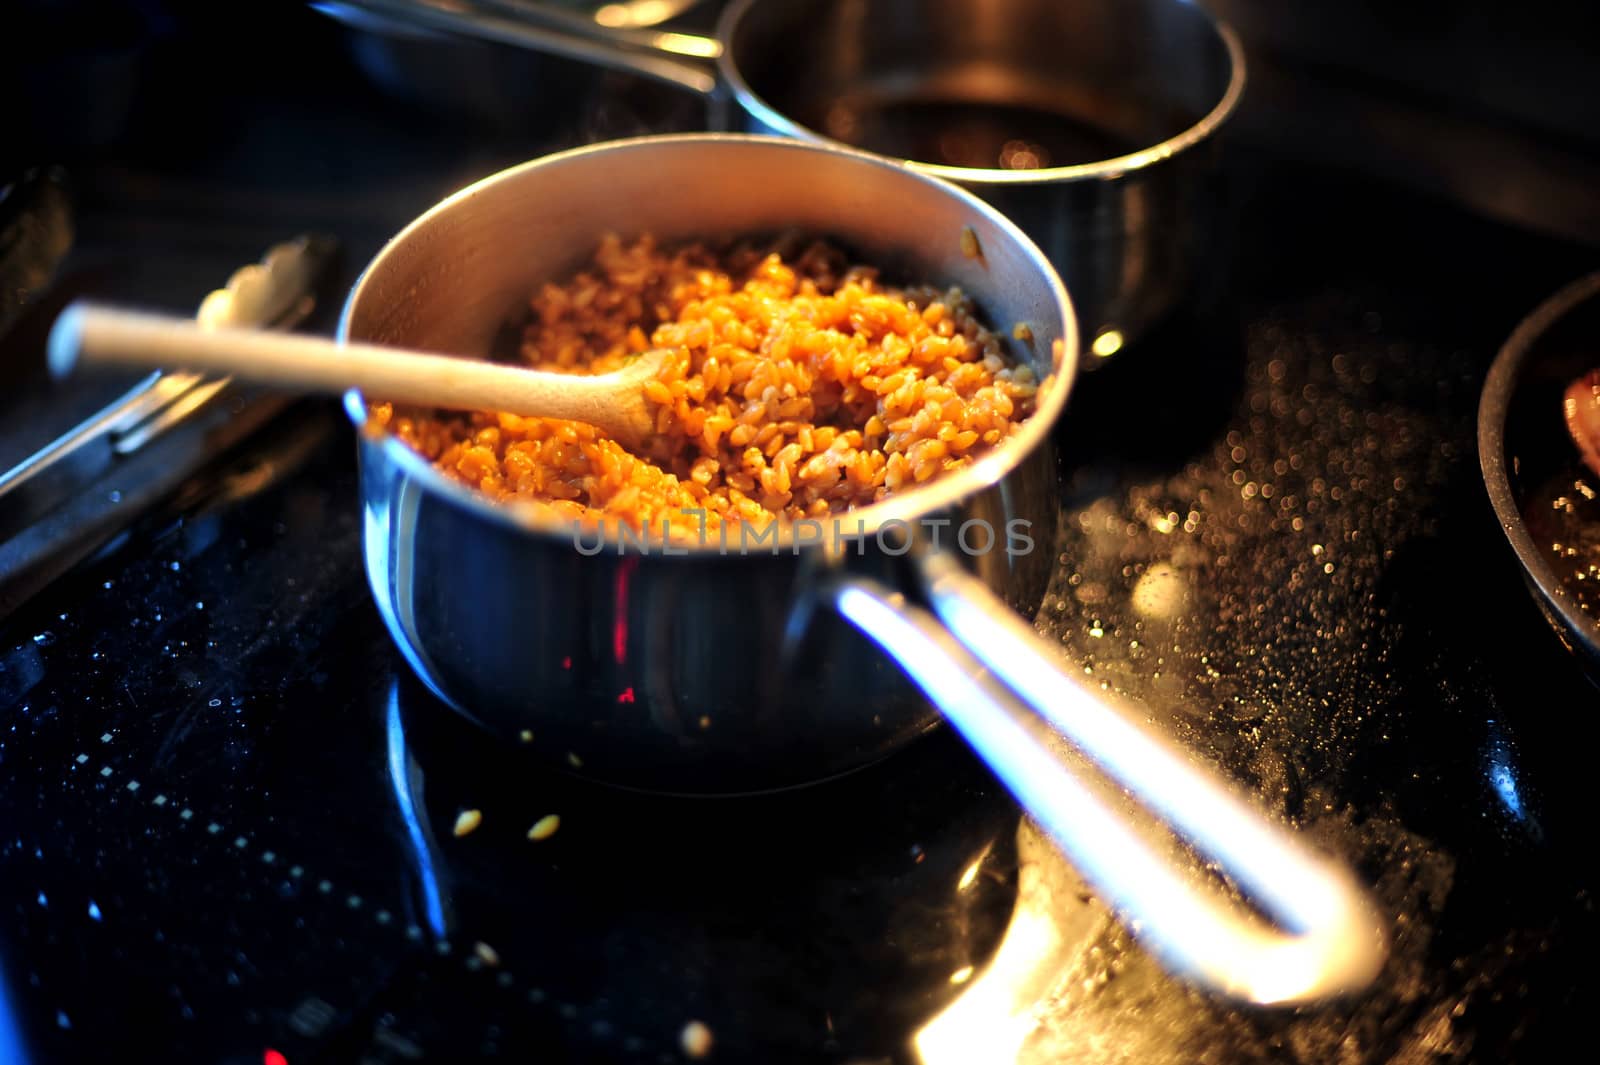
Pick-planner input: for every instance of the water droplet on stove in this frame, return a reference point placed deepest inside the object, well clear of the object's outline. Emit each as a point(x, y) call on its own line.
point(62, 1021)
point(215, 702)
point(43, 901)
point(114, 495)
point(45, 639)
point(94, 911)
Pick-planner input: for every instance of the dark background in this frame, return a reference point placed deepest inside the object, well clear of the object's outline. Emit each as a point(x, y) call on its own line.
point(1493, 104)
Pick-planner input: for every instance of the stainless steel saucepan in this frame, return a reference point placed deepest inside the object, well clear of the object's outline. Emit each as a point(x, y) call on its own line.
point(1091, 123)
point(725, 669)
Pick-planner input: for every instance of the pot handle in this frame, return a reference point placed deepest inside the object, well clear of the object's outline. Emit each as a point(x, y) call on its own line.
point(680, 59)
point(1005, 690)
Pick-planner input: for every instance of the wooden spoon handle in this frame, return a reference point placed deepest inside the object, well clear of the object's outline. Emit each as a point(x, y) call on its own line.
point(87, 334)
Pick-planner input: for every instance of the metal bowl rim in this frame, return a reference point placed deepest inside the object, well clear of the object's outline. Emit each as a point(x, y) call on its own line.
point(1494, 406)
point(1101, 169)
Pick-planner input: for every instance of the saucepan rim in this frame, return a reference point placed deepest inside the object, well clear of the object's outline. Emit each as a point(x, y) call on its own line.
point(1114, 167)
point(902, 508)
point(1494, 410)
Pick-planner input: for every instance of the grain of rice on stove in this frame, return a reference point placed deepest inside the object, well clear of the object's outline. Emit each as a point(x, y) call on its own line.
point(797, 386)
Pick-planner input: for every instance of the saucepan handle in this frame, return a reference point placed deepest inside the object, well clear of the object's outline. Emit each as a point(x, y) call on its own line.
point(684, 60)
point(1006, 691)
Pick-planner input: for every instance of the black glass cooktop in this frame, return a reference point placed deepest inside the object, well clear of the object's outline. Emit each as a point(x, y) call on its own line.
point(231, 820)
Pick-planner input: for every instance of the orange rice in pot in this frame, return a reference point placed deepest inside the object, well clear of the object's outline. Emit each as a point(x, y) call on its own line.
point(798, 387)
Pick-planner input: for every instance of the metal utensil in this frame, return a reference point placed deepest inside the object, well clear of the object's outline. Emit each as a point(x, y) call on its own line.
point(67, 499)
point(88, 334)
point(725, 667)
point(1091, 123)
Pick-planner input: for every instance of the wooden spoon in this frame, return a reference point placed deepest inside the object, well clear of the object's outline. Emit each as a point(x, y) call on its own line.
point(87, 334)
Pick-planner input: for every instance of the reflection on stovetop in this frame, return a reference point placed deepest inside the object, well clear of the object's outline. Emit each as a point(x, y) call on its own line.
point(231, 814)
point(862, 905)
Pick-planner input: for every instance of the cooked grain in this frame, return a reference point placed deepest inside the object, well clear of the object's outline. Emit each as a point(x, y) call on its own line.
point(797, 386)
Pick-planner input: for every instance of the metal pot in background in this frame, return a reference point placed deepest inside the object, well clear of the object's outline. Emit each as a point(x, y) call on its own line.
point(1524, 448)
point(1091, 123)
point(708, 670)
